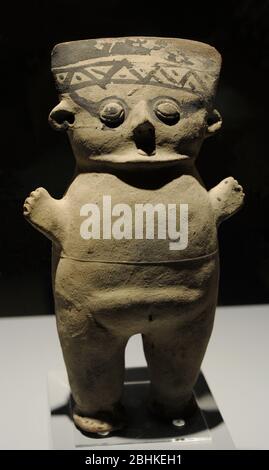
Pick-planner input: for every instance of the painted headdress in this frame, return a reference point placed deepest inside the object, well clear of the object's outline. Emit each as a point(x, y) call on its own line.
point(163, 62)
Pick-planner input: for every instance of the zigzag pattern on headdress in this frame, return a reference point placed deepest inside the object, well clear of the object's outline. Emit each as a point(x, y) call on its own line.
point(101, 73)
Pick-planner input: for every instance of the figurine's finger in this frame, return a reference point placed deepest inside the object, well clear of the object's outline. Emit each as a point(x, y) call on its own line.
point(26, 209)
point(27, 202)
point(34, 193)
point(41, 190)
point(238, 188)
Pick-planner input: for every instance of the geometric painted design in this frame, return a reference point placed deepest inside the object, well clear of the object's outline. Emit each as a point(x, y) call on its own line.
point(78, 77)
point(61, 77)
point(124, 71)
point(99, 72)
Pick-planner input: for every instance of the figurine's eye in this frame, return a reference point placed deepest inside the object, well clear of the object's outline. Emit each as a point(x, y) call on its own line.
point(167, 112)
point(112, 114)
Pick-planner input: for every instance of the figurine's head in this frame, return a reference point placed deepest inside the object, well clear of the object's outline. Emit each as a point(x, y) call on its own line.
point(130, 100)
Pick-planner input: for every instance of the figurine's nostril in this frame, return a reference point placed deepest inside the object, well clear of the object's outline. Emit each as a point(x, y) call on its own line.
point(144, 137)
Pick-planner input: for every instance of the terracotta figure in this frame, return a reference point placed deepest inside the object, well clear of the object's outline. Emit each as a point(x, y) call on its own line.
point(136, 111)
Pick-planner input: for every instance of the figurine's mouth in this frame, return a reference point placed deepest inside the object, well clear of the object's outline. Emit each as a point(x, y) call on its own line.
point(140, 156)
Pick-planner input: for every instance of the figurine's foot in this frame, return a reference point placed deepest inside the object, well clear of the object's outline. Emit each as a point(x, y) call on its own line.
point(35, 202)
point(92, 425)
point(168, 412)
point(102, 423)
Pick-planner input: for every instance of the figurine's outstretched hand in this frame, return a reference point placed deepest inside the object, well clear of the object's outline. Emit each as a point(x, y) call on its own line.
point(226, 198)
point(45, 213)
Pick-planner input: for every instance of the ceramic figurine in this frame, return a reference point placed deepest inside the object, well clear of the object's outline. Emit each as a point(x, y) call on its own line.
point(135, 235)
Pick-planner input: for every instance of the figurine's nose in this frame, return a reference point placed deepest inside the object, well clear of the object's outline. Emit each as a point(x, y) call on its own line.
point(143, 129)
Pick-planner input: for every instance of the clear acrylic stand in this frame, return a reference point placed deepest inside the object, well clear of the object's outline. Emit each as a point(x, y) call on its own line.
point(205, 429)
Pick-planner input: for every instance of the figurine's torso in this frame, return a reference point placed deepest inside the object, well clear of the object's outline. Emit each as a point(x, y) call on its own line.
point(105, 191)
point(131, 276)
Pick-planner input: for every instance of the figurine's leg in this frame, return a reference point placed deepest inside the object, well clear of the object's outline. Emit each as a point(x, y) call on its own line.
point(174, 355)
point(94, 359)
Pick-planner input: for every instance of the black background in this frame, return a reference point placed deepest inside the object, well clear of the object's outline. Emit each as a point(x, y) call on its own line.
point(34, 155)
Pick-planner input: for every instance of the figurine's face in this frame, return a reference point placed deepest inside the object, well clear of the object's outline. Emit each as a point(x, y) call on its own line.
point(134, 123)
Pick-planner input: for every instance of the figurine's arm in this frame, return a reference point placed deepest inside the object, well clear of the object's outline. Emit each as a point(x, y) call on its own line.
point(46, 214)
point(226, 198)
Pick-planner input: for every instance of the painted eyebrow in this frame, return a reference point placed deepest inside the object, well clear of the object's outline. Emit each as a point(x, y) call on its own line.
point(93, 106)
point(187, 103)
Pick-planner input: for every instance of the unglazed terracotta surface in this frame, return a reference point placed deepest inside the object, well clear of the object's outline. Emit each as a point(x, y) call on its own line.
point(136, 111)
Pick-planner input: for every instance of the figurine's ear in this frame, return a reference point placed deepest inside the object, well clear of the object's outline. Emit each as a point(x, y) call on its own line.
point(214, 122)
point(62, 116)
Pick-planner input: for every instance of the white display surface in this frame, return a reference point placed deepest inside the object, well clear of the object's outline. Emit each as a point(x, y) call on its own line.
point(235, 367)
